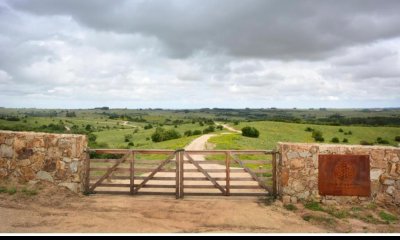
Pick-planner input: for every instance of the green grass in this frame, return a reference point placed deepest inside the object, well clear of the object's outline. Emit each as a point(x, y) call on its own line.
point(387, 217)
point(290, 207)
point(314, 206)
point(29, 192)
point(273, 132)
point(9, 190)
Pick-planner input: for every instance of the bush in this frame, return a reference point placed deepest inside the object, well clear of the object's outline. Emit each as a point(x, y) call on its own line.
point(220, 127)
point(363, 142)
point(379, 140)
point(308, 129)
point(130, 144)
point(397, 138)
point(128, 137)
point(148, 126)
point(250, 132)
point(236, 122)
point(317, 135)
point(340, 130)
point(196, 132)
point(163, 135)
point(92, 138)
point(335, 140)
point(188, 133)
point(209, 129)
point(345, 140)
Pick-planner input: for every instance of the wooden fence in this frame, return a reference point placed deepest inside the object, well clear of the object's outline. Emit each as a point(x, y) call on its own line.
point(182, 172)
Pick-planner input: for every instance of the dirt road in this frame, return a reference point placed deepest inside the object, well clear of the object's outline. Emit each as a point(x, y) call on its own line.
point(145, 214)
point(226, 126)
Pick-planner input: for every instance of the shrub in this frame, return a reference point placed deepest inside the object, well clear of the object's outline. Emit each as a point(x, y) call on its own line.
point(317, 135)
point(397, 138)
point(128, 137)
point(220, 127)
point(340, 130)
point(308, 129)
point(188, 133)
point(379, 140)
point(236, 122)
point(250, 132)
point(163, 135)
point(130, 144)
point(363, 142)
point(196, 132)
point(209, 129)
point(345, 140)
point(92, 138)
point(335, 140)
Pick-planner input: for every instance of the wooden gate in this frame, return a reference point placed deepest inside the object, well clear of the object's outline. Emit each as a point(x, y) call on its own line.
point(181, 172)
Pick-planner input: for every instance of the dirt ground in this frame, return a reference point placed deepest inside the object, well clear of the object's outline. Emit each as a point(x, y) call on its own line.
point(56, 210)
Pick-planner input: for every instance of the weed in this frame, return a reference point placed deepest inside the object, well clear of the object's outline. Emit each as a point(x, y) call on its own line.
point(387, 217)
point(29, 192)
point(337, 213)
point(319, 219)
point(290, 207)
point(12, 190)
point(314, 206)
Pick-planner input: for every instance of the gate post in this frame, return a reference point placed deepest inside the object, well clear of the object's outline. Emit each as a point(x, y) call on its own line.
point(182, 171)
point(177, 183)
point(274, 169)
point(86, 178)
point(228, 173)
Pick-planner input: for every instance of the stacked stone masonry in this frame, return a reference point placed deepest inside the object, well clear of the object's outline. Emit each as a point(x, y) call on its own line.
point(298, 173)
point(30, 156)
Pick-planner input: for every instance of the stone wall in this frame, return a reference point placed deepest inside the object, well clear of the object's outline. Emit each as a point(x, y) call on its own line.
point(298, 172)
point(30, 156)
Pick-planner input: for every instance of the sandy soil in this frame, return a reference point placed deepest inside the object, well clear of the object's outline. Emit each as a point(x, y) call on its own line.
point(66, 213)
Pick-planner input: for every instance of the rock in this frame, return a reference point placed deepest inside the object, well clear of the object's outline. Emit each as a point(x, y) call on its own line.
point(291, 155)
point(305, 154)
point(74, 166)
point(286, 199)
point(293, 200)
point(42, 175)
point(378, 159)
point(298, 186)
point(32, 182)
point(329, 202)
point(392, 169)
point(285, 177)
point(375, 174)
point(304, 195)
point(19, 144)
point(6, 151)
point(390, 190)
point(297, 163)
point(71, 186)
point(397, 198)
point(24, 162)
point(9, 141)
point(66, 159)
point(389, 182)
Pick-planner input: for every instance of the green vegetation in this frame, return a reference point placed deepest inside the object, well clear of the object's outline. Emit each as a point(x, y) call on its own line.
point(317, 135)
point(389, 218)
point(250, 132)
point(290, 207)
point(314, 206)
point(10, 190)
point(397, 138)
point(335, 140)
point(29, 192)
point(161, 135)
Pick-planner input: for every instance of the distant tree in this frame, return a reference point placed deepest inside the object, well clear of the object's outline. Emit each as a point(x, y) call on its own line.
point(209, 129)
point(196, 132)
point(345, 140)
point(317, 135)
point(335, 140)
point(308, 129)
point(163, 135)
point(70, 114)
point(340, 130)
point(148, 126)
point(188, 133)
point(364, 142)
point(236, 122)
point(250, 132)
point(220, 127)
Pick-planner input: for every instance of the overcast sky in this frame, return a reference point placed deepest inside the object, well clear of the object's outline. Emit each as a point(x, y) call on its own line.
point(199, 53)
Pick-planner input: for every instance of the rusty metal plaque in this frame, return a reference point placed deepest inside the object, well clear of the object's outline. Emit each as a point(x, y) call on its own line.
point(344, 175)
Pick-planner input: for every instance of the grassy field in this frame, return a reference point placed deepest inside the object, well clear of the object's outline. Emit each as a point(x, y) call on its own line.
point(273, 132)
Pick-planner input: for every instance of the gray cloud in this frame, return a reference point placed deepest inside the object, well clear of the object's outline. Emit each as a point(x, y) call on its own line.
point(251, 28)
point(207, 53)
